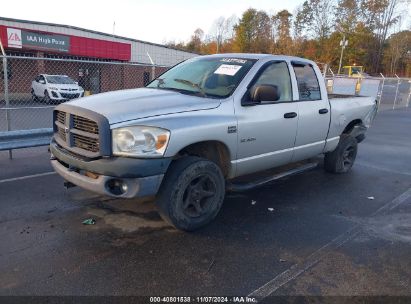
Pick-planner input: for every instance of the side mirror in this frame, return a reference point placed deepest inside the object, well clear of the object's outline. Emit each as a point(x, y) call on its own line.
point(265, 92)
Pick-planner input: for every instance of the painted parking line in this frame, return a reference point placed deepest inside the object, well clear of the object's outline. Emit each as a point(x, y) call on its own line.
point(299, 268)
point(25, 177)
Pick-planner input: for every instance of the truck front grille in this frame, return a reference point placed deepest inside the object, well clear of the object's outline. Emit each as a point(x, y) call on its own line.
point(61, 117)
point(77, 133)
point(86, 143)
point(61, 133)
point(85, 124)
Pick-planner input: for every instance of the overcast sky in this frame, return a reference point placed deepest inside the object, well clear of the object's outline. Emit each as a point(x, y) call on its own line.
point(150, 20)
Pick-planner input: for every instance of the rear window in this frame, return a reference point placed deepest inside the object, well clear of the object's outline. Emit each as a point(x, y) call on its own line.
point(308, 85)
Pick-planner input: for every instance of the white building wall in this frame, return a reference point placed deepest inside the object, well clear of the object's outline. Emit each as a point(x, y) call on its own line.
point(161, 55)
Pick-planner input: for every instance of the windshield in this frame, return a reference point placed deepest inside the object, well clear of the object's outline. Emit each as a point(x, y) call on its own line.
point(60, 80)
point(356, 70)
point(205, 77)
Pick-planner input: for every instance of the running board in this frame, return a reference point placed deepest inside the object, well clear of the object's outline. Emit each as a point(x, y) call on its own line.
point(240, 187)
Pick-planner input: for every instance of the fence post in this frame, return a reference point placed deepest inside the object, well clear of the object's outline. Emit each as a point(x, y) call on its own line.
point(381, 91)
point(396, 92)
point(153, 67)
point(6, 91)
point(325, 69)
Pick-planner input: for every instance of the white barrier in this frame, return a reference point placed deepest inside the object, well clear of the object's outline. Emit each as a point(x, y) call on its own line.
point(370, 87)
point(344, 86)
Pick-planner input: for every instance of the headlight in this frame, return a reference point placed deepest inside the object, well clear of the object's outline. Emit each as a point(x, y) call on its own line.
point(140, 141)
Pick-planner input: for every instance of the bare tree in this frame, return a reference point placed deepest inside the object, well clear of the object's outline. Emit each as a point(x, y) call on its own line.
point(222, 29)
point(317, 18)
point(380, 16)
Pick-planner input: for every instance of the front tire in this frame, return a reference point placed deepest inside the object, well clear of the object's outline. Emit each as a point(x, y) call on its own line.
point(34, 98)
point(192, 193)
point(47, 99)
point(343, 157)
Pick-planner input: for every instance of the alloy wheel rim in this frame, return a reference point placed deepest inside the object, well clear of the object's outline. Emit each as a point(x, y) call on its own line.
point(348, 157)
point(198, 197)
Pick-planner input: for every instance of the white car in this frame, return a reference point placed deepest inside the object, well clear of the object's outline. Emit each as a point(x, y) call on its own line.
point(55, 88)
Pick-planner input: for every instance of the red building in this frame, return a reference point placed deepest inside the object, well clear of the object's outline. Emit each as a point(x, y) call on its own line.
point(81, 54)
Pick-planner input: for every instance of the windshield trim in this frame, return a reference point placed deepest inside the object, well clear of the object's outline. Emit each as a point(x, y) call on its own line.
point(207, 95)
point(188, 92)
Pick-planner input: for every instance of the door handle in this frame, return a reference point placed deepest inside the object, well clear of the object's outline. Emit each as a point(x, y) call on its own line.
point(290, 115)
point(323, 111)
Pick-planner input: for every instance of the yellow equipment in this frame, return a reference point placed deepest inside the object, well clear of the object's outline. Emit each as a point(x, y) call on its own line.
point(353, 71)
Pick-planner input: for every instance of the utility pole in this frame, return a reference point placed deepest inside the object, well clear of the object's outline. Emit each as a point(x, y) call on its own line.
point(343, 44)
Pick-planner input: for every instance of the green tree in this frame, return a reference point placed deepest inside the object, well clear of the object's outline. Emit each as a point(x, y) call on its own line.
point(282, 24)
point(195, 43)
point(253, 33)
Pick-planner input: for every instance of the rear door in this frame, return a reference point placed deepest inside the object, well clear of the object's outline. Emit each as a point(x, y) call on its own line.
point(266, 131)
point(313, 112)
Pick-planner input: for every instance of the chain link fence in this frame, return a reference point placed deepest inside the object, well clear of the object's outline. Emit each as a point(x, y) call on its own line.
point(396, 93)
point(28, 96)
point(391, 92)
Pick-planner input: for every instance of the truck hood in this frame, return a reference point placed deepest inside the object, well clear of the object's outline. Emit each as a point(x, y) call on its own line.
point(125, 105)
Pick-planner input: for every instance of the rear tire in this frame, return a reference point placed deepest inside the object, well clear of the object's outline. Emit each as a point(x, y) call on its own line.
point(343, 157)
point(191, 194)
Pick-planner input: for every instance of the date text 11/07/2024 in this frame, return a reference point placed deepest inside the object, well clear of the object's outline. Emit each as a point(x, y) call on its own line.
point(203, 299)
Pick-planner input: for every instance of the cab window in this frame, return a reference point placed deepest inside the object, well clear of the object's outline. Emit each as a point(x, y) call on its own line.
point(308, 86)
point(276, 74)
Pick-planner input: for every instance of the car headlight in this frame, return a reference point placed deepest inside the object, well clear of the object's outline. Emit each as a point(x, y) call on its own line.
point(140, 141)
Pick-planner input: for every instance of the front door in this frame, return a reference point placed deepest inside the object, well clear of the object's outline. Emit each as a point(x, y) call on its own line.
point(267, 131)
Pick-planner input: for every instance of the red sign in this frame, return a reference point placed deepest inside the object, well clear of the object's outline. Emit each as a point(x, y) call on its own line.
point(14, 38)
point(79, 46)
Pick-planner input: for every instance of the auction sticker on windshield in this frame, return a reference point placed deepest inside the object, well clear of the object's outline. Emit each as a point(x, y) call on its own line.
point(228, 69)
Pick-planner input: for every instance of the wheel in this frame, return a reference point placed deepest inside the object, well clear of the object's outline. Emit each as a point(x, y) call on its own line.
point(342, 158)
point(191, 194)
point(33, 96)
point(47, 98)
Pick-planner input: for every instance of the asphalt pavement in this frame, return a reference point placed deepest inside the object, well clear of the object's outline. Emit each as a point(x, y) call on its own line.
point(313, 234)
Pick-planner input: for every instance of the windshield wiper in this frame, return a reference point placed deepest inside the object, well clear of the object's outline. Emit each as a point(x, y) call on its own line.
point(192, 84)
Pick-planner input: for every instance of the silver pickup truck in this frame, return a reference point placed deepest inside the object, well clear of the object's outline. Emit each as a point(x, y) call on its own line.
point(193, 132)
